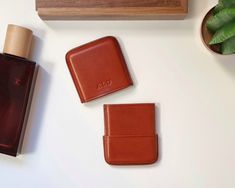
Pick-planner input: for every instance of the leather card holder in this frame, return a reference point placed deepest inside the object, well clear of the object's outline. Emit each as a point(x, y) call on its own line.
point(98, 68)
point(130, 136)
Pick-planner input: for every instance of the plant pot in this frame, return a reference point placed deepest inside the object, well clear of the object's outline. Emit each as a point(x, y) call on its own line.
point(206, 35)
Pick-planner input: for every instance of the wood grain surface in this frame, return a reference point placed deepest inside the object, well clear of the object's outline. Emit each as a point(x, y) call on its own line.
point(112, 9)
point(108, 3)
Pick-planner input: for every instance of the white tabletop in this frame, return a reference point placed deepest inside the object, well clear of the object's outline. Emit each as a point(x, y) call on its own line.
point(193, 89)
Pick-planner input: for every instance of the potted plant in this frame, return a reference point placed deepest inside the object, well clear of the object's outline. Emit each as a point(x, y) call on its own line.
point(218, 28)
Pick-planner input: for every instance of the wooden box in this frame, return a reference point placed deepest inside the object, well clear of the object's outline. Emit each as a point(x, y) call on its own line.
point(111, 9)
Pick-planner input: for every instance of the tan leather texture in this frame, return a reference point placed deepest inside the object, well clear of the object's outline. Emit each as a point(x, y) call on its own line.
point(98, 68)
point(130, 134)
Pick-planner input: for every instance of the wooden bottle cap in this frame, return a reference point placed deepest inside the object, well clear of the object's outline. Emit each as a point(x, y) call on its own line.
point(18, 41)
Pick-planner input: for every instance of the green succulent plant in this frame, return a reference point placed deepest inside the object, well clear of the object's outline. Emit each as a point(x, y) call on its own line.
point(222, 26)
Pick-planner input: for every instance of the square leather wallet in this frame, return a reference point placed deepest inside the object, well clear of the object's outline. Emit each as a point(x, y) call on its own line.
point(130, 136)
point(98, 68)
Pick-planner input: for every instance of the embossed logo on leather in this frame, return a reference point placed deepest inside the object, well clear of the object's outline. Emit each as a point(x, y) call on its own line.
point(104, 84)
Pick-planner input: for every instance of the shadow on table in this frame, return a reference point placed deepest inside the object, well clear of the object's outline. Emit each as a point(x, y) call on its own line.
point(137, 27)
point(227, 62)
point(195, 7)
point(40, 95)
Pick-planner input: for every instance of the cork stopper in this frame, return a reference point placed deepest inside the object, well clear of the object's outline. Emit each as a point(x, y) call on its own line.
point(18, 41)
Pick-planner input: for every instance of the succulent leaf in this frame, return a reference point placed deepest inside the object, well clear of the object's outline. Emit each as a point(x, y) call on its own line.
point(221, 18)
point(228, 46)
point(224, 33)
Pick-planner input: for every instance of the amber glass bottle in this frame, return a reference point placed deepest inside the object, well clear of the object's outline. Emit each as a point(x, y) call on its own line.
point(16, 81)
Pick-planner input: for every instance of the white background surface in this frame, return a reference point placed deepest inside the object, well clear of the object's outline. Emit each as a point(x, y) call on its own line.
point(193, 89)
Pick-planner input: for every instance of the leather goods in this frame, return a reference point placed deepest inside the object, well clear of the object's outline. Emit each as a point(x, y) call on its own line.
point(98, 68)
point(130, 137)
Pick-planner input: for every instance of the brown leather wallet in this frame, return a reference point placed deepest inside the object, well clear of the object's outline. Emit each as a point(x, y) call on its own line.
point(98, 68)
point(130, 137)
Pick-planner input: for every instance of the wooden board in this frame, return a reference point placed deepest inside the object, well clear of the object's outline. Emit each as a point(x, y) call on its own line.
point(111, 9)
